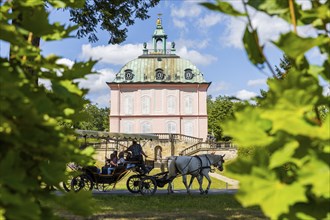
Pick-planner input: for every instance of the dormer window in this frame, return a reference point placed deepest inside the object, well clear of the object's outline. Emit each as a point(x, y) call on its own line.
point(188, 74)
point(129, 74)
point(159, 74)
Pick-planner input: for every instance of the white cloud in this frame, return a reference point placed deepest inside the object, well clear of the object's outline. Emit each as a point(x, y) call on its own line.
point(199, 44)
point(99, 92)
point(66, 62)
point(112, 54)
point(185, 13)
point(233, 33)
point(196, 57)
point(187, 9)
point(305, 5)
point(179, 23)
point(245, 94)
point(210, 20)
point(256, 82)
point(269, 28)
point(102, 100)
point(217, 87)
point(97, 82)
point(46, 82)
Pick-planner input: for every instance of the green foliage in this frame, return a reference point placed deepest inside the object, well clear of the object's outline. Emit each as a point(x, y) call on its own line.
point(111, 16)
point(287, 175)
point(35, 148)
point(218, 111)
point(95, 118)
point(223, 7)
point(285, 65)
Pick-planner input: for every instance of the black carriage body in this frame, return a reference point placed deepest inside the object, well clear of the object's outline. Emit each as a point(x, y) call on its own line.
point(91, 177)
point(96, 177)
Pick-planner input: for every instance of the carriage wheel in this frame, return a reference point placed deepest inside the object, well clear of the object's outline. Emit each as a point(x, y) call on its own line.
point(148, 186)
point(66, 185)
point(133, 183)
point(81, 182)
point(105, 187)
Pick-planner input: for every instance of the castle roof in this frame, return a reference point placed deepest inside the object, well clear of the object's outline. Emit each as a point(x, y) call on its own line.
point(159, 65)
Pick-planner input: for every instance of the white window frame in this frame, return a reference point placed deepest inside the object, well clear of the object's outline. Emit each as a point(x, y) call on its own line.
point(188, 104)
point(146, 127)
point(188, 128)
point(128, 105)
point(171, 104)
point(171, 127)
point(145, 105)
point(128, 127)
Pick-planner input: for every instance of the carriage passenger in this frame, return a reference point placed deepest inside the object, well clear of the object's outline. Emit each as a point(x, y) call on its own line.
point(137, 153)
point(121, 159)
point(112, 162)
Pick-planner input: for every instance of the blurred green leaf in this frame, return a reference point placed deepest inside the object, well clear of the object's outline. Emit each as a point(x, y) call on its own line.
point(295, 46)
point(223, 7)
point(253, 131)
point(316, 174)
point(283, 155)
point(251, 45)
point(269, 193)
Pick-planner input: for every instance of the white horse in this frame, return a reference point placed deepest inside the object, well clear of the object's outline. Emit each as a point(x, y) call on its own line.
point(196, 166)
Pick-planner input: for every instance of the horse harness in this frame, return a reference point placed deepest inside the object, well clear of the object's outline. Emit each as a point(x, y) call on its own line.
point(201, 168)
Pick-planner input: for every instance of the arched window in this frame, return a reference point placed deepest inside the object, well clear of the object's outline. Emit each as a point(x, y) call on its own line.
point(188, 74)
point(188, 128)
point(188, 105)
point(158, 154)
point(146, 127)
point(128, 105)
point(129, 74)
point(128, 127)
point(159, 74)
point(145, 105)
point(171, 104)
point(171, 127)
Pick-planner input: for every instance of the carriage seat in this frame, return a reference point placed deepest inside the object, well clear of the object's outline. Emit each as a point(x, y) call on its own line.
point(92, 169)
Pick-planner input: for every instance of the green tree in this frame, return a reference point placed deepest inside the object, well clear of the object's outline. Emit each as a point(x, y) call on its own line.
point(288, 174)
point(285, 65)
point(111, 16)
point(95, 118)
point(35, 148)
point(218, 111)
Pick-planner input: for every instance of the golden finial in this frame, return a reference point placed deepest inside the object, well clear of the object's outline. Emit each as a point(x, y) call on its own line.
point(159, 21)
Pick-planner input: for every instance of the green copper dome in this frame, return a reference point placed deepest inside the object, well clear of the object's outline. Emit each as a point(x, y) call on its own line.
point(159, 69)
point(159, 64)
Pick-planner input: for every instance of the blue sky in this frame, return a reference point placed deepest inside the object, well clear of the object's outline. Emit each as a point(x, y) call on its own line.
point(212, 41)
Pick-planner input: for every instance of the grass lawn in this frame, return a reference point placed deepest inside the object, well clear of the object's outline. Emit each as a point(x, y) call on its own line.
point(164, 206)
point(174, 206)
point(216, 184)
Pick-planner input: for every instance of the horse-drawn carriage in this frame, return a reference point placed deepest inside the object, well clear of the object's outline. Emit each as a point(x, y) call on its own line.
point(90, 177)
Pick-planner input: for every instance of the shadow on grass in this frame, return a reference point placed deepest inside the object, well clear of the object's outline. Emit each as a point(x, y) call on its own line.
point(170, 207)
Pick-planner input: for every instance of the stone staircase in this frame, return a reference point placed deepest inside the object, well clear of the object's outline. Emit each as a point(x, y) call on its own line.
point(207, 147)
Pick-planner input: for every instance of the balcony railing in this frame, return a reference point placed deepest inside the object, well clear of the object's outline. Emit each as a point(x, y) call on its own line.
point(206, 146)
point(158, 51)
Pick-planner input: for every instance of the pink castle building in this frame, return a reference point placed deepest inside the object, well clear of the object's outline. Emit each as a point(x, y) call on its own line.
point(159, 92)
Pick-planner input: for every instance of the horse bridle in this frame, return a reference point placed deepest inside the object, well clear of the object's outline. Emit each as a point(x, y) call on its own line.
point(221, 159)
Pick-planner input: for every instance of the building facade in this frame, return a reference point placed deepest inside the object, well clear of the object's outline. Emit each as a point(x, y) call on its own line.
point(159, 92)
